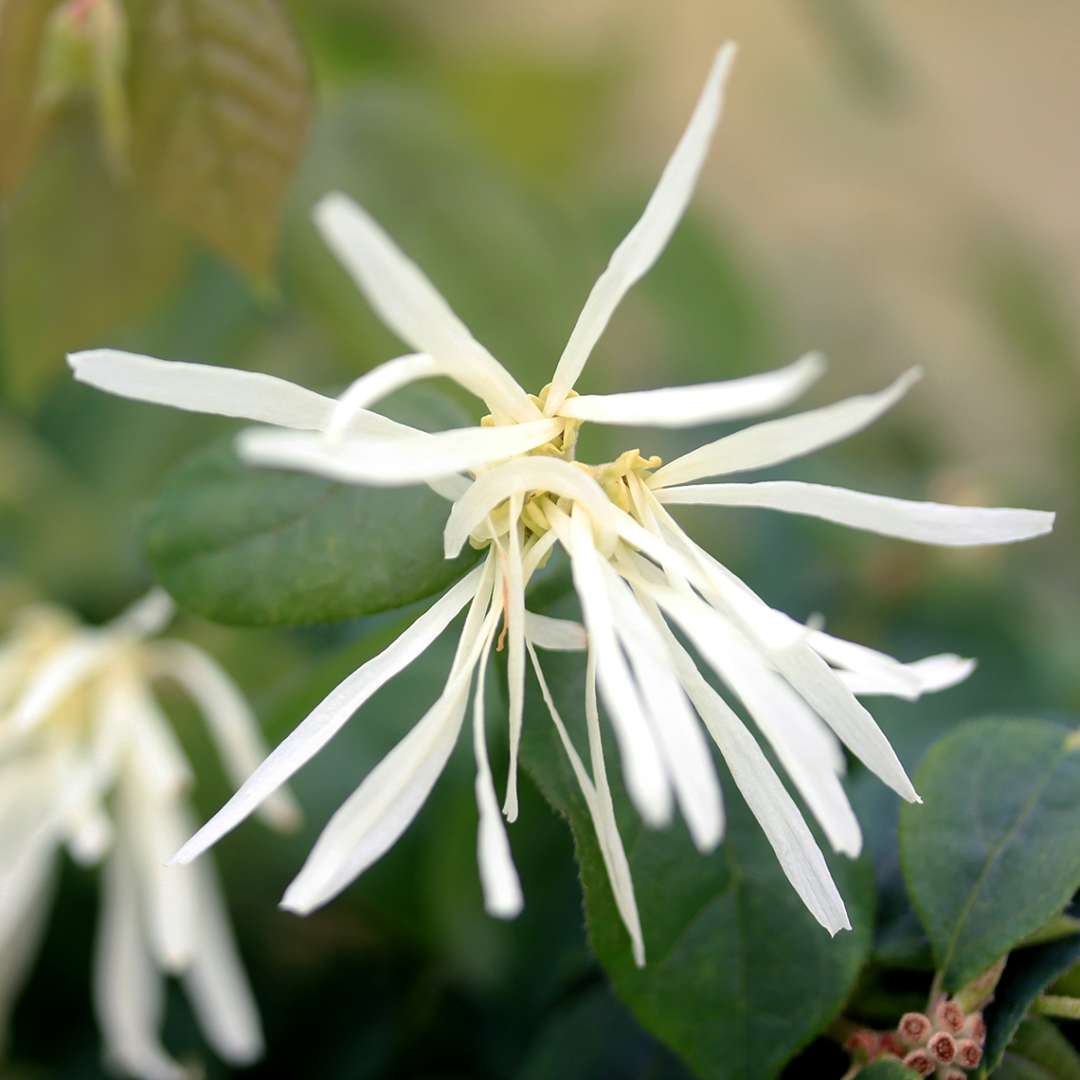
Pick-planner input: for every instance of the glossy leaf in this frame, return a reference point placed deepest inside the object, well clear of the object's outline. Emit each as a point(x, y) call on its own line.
point(994, 852)
point(220, 108)
point(252, 546)
point(1027, 974)
point(1039, 1052)
point(738, 975)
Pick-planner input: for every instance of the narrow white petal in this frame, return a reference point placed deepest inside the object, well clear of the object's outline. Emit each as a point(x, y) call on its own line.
point(780, 714)
point(149, 615)
point(683, 406)
point(203, 388)
point(646, 781)
point(930, 674)
point(230, 719)
point(776, 441)
point(320, 726)
point(600, 806)
point(372, 387)
point(370, 821)
point(557, 635)
point(878, 668)
point(531, 474)
point(923, 522)
point(19, 946)
point(55, 679)
point(502, 889)
point(410, 305)
point(514, 614)
point(128, 991)
point(215, 981)
point(676, 730)
point(648, 238)
point(796, 850)
point(405, 460)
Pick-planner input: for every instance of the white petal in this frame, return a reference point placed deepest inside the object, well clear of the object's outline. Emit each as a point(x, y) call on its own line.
point(776, 813)
point(930, 674)
point(149, 615)
point(55, 679)
point(215, 982)
point(598, 801)
point(372, 387)
point(877, 667)
point(502, 889)
point(780, 714)
point(320, 726)
point(923, 522)
point(19, 947)
point(128, 996)
point(683, 406)
point(410, 305)
point(514, 601)
point(648, 238)
point(646, 781)
point(203, 388)
point(528, 474)
point(775, 441)
point(230, 719)
point(675, 728)
point(405, 460)
point(558, 635)
point(370, 821)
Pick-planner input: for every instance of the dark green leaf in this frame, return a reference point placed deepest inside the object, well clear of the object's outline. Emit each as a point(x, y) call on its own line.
point(1039, 1052)
point(220, 108)
point(995, 851)
point(887, 1069)
point(1027, 974)
point(739, 976)
point(261, 547)
point(22, 33)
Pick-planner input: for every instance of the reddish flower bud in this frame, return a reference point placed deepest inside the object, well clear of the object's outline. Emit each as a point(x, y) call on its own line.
point(950, 1017)
point(920, 1061)
point(953, 1074)
point(914, 1028)
point(862, 1044)
point(891, 1043)
point(968, 1053)
point(942, 1047)
point(975, 1027)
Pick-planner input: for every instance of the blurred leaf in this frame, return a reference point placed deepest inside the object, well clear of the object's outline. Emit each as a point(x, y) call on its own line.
point(1027, 974)
point(22, 31)
point(81, 256)
point(1039, 1052)
point(995, 851)
point(738, 975)
point(262, 547)
point(887, 1069)
point(220, 108)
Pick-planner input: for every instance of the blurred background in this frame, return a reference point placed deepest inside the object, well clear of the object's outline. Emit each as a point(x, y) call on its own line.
point(892, 184)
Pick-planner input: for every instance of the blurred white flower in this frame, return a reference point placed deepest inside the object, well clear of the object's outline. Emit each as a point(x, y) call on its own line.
point(89, 763)
point(638, 576)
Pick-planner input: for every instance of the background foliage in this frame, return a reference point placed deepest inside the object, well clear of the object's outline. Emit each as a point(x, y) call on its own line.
point(159, 201)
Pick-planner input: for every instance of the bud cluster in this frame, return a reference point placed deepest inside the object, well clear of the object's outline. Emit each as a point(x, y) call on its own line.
point(946, 1044)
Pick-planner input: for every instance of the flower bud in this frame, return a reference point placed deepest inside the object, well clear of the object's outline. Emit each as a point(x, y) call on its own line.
point(950, 1017)
point(953, 1074)
point(942, 1047)
point(914, 1028)
point(975, 1028)
point(920, 1061)
point(862, 1044)
point(968, 1053)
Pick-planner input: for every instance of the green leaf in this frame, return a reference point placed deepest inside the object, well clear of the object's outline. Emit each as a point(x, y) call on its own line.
point(220, 107)
point(260, 547)
point(82, 257)
point(887, 1069)
point(1027, 974)
point(22, 33)
point(1039, 1052)
point(739, 976)
point(995, 851)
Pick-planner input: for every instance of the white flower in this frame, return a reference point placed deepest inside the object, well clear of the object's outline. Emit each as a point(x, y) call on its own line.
point(88, 762)
point(638, 576)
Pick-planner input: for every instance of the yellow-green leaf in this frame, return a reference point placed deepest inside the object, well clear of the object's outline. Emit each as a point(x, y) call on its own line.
point(220, 108)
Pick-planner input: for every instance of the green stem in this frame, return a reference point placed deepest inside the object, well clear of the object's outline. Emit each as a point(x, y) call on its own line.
point(1064, 1008)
